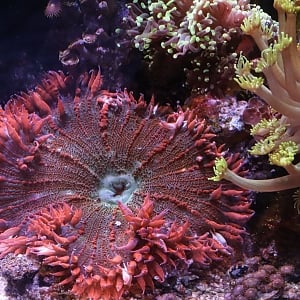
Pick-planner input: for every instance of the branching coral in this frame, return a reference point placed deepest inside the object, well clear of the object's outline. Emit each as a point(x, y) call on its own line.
point(279, 137)
point(108, 191)
point(203, 34)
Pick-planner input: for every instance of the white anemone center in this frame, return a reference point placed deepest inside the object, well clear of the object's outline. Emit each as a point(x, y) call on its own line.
point(117, 188)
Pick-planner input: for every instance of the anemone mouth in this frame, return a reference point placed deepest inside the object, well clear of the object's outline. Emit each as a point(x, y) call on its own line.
point(117, 188)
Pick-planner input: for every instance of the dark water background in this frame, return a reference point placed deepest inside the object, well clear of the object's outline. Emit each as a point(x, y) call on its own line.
point(30, 43)
point(28, 46)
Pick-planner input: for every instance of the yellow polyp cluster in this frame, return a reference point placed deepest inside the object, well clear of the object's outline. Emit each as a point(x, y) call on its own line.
point(289, 6)
point(249, 82)
point(263, 147)
point(268, 127)
point(279, 86)
point(219, 169)
point(273, 143)
point(252, 23)
point(268, 58)
point(284, 154)
point(243, 66)
point(272, 132)
point(283, 41)
point(244, 77)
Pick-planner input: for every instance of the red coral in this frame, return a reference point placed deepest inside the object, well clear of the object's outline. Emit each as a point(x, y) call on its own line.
point(107, 191)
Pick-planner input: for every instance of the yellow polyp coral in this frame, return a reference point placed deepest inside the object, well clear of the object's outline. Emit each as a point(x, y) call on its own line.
point(252, 23)
point(289, 181)
point(289, 6)
point(219, 169)
point(283, 42)
point(268, 58)
point(279, 137)
point(249, 82)
point(263, 147)
point(284, 155)
point(243, 66)
point(270, 135)
point(259, 25)
point(265, 127)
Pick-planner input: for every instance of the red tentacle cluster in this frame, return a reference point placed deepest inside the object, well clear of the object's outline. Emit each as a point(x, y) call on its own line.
point(109, 191)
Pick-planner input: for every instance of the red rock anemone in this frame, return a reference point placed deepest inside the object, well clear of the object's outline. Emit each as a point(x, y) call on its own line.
point(107, 191)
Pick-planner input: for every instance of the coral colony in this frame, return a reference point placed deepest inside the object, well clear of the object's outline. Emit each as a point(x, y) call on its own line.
point(277, 137)
point(108, 191)
point(202, 35)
